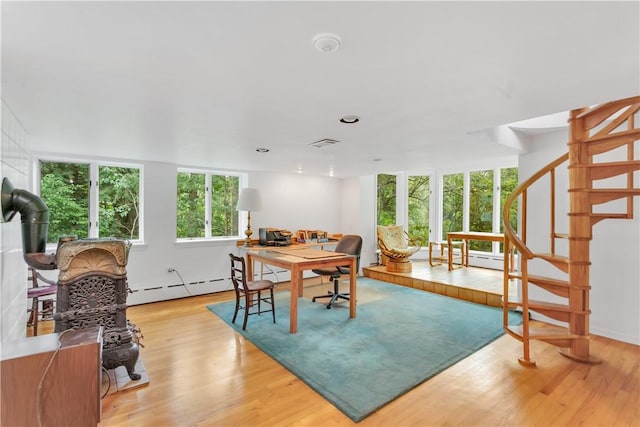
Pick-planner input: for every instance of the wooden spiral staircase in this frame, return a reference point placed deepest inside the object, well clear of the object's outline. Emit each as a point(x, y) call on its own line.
point(612, 128)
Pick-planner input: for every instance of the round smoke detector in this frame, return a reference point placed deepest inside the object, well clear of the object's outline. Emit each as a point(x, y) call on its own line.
point(327, 42)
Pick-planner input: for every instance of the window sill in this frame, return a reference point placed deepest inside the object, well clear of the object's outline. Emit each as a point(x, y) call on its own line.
point(187, 243)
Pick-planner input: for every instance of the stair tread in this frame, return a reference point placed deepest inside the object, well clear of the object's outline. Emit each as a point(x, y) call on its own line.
point(543, 279)
point(540, 304)
point(548, 332)
point(554, 257)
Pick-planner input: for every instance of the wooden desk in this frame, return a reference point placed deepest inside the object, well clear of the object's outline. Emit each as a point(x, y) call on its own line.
point(470, 235)
point(304, 259)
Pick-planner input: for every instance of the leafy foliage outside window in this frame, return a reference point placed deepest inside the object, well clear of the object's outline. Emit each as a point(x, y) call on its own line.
point(191, 205)
point(195, 191)
point(481, 207)
point(224, 199)
point(452, 203)
point(508, 183)
point(419, 193)
point(386, 195)
point(65, 189)
point(119, 202)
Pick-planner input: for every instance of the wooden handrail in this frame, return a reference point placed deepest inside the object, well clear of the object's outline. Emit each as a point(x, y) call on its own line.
point(521, 189)
point(592, 117)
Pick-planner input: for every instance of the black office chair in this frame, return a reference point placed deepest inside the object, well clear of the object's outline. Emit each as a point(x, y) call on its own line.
point(349, 244)
point(247, 289)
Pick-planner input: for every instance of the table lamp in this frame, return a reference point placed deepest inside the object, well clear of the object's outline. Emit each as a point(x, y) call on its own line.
point(249, 201)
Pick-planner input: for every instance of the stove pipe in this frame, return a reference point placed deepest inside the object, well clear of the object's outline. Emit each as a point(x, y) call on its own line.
point(34, 216)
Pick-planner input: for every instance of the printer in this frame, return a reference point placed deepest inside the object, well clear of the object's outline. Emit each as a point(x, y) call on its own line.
point(274, 237)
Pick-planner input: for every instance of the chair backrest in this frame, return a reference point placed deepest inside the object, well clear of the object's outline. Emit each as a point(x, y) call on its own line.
point(392, 236)
point(350, 244)
point(238, 272)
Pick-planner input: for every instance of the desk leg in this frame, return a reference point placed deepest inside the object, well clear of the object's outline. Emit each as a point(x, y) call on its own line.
point(300, 283)
point(353, 274)
point(449, 253)
point(249, 262)
point(466, 253)
point(295, 288)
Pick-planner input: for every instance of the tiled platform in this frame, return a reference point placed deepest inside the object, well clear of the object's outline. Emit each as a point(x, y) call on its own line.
point(480, 285)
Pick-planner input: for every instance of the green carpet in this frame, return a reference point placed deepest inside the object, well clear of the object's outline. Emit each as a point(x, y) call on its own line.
point(400, 338)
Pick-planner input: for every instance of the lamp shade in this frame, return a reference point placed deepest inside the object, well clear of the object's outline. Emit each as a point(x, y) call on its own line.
point(249, 200)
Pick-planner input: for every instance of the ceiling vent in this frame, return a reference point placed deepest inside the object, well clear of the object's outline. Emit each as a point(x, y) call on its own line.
point(324, 143)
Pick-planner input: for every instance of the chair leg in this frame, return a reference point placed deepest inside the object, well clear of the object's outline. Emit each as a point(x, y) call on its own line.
point(247, 303)
point(33, 316)
point(235, 313)
point(336, 295)
point(273, 306)
point(259, 302)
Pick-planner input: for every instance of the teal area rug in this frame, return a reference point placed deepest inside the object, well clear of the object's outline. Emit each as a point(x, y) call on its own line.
point(400, 338)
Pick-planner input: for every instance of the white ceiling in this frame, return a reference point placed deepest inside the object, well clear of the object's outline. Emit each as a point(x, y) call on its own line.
point(206, 83)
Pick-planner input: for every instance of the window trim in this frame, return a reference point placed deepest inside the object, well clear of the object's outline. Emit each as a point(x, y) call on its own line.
point(243, 180)
point(93, 202)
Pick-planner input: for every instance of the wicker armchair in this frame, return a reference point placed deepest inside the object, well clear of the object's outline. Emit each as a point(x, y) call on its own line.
point(398, 247)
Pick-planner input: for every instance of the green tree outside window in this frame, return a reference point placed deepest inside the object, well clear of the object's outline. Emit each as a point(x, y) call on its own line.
point(65, 189)
point(386, 195)
point(452, 203)
point(481, 207)
point(201, 194)
point(419, 192)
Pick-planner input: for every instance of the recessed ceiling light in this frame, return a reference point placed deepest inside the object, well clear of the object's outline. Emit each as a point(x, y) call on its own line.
point(327, 42)
point(350, 119)
point(262, 150)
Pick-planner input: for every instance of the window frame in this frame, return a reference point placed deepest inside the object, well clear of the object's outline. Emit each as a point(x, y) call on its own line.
point(402, 198)
point(93, 202)
point(242, 219)
point(497, 208)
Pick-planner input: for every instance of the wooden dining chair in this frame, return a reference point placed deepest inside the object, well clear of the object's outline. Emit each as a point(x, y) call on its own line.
point(36, 293)
point(250, 292)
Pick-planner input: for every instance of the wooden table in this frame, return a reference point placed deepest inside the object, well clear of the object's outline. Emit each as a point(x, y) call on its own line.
point(470, 235)
point(298, 260)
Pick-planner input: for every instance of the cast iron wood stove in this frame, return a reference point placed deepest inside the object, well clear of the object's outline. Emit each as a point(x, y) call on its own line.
point(92, 291)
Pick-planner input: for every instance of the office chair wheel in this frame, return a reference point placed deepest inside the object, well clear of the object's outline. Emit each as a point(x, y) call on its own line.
point(329, 307)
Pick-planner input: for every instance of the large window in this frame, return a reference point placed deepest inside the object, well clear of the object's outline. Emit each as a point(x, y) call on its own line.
point(411, 209)
point(472, 201)
point(481, 207)
point(469, 201)
point(207, 205)
point(452, 203)
point(508, 183)
point(419, 192)
point(91, 200)
point(386, 194)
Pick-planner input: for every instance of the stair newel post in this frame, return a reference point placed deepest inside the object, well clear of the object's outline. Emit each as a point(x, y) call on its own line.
point(526, 337)
point(580, 235)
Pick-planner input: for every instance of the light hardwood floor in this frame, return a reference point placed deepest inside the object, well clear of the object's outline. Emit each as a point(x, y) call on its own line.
point(203, 374)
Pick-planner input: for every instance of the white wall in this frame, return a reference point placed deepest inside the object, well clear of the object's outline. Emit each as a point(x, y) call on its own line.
point(289, 201)
point(14, 164)
point(615, 248)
